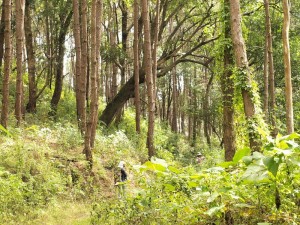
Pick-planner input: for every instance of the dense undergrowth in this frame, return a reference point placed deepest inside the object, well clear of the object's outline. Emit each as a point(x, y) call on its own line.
point(42, 169)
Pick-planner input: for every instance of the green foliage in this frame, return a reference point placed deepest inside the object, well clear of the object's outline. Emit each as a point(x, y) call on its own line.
point(169, 194)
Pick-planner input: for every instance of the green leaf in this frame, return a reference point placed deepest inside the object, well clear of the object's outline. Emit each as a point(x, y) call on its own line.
point(5, 130)
point(247, 160)
point(213, 197)
point(155, 167)
point(272, 164)
point(169, 187)
point(214, 210)
point(192, 184)
point(240, 154)
point(293, 136)
point(264, 223)
point(174, 170)
point(256, 174)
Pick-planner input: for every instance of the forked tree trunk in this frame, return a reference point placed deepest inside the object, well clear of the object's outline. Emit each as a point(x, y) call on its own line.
point(287, 68)
point(7, 63)
point(243, 73)
point(149, 78)
point(20, 6)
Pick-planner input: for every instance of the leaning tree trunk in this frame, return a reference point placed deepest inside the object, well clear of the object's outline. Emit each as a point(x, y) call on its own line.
point(244, 73)
point(31, 105)
point(20, 5)
point(287, 67)
point(7, 63)
point(227, 85)
point(149, 78)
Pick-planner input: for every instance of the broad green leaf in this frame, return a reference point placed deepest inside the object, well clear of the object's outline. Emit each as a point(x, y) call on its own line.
point(159, 161)
point(283, 145)
point(155, 167)
point(272, 164)
point(293, 136)
point(192, 184)
point(240, 154)
point(256, 173)
point(213, 197)
point(226, 164)
point(169, 187)
point(247, 160)
point(174, 169)
point(214, 210)
point(264, 223)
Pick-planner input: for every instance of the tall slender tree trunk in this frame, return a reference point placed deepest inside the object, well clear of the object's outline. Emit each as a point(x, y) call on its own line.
point(95, 105)
point(2, 25)
point(206, 110)
point(7, 63)
point(175, 104)
point(31, 105)
point(136, 68)
point(65, 23)
point(266, 81)
point(95, 24)
point(271, 69)
point(149, 78)
point(20, 6)
point(287, 67)
point(227, 86)
point(243, 73)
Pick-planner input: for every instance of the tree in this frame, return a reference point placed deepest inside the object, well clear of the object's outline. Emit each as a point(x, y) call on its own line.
point(32, 97)
point(136, 67)
point(65, 20)
point(20, 6)
point(270, 66)
point(244, 75)
point(227, 85)
point(149, 77)
point(7, 63)
point(96, 15)
point(287, 67)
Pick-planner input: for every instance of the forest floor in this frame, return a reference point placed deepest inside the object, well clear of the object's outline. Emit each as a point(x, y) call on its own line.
point(65, 212)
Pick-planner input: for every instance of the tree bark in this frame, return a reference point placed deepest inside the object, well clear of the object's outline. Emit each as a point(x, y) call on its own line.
point(175, 104)
point(65, 23)
point(227, 86)
point(149, 78)
point(136, 68)
point(20, 6)
point(271, 69)
point(31, 105)
point(287, 67)
point(7, 63)
point(243, 73)
point(2, 25)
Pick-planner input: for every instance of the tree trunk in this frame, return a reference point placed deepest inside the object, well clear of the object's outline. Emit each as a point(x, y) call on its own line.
point(271, 69)
point(136, 67)
point(227, 86)
point(20, 6)
point(95, 26)
point(206, 118)
point(2, 25)
point(65, 22)
point(175, 104)
point(149, 78)
point(31, 105)
point(7, 63)
point(243, 73)
point(287, 67)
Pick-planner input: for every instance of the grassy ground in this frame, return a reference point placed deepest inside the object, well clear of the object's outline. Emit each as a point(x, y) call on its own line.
point(67, 213)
